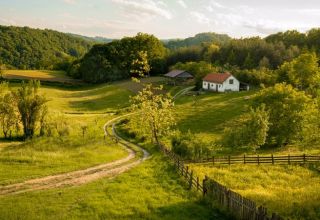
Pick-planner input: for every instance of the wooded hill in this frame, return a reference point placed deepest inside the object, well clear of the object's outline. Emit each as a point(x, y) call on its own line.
point(28, 48)
point(198, 39)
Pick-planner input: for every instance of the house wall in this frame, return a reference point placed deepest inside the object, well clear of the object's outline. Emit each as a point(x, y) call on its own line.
point(226, 86)
point(235, 87)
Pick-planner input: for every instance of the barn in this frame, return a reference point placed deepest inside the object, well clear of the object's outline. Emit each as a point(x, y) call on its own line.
point(177, 76)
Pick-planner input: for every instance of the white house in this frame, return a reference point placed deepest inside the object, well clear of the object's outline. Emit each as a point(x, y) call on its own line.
point(221, 82)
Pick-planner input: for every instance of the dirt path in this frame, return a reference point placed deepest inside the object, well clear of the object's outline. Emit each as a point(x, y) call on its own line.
point(111, 169)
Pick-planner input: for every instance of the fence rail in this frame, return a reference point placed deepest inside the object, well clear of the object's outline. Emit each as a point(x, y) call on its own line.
point(241, 207)
point(272, 159)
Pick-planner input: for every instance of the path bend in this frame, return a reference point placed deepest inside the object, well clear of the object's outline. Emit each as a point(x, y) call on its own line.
point(79, 177)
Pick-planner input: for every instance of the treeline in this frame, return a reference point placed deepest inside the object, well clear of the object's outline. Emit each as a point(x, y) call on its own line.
point(27, 48)
point(131, 56)
point(198, 40)
point(250, 53)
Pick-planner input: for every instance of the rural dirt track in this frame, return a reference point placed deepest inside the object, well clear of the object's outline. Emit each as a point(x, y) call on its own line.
point(79, 177)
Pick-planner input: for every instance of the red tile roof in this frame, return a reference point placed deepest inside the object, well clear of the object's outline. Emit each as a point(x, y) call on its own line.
point(217, 77)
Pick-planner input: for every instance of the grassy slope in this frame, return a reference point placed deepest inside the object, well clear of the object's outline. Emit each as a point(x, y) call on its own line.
point(152, 190)
point(207, 114)
point(46, 156)
point(43, 75)
point(292, 191)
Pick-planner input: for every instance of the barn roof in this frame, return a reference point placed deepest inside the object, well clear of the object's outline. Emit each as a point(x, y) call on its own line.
point(176, 73)
point(217, 77)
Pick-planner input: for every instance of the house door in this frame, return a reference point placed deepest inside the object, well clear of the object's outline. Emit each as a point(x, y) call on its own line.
point(216, 87)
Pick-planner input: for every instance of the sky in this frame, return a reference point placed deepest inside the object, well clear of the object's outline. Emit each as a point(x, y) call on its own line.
point(165, 19)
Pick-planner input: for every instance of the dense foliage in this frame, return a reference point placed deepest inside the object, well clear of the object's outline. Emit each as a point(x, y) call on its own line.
point(290, 113)
point(198, 40)
point(116, 60)
point(250, 130)
point(25, 107)
point(250, 53)
point(27, 48)
point(155, 113)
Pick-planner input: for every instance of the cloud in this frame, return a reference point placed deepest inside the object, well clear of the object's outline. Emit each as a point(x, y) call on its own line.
point(144, 9)
point(70, 2)
point(182, 3)
point(200, 17)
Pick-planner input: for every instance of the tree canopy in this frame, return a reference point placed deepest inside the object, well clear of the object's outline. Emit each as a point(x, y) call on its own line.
point(116, 60)
point(27, 48)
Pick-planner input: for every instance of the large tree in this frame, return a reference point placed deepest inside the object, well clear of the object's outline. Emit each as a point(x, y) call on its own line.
point(289, 112)
point(155, 112)
point(30, 104)
point(302, 72)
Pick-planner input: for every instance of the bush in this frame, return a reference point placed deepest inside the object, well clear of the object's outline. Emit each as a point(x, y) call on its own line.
point(188, 145)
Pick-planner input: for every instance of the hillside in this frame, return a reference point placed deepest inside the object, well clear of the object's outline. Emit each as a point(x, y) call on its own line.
point(28, 48)
point(96, 39)
point(197, 40)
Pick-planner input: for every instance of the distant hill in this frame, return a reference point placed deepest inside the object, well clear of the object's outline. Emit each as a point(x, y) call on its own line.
point(197, 40)
point(93, 39)
point(28, 48)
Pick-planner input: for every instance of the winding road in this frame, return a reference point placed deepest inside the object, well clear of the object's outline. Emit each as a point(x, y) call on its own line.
point(80, 177)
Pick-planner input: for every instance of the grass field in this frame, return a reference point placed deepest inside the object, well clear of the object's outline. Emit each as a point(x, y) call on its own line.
point(151, 190)
point(291, 191)
point(52, 155)
point(42, 75)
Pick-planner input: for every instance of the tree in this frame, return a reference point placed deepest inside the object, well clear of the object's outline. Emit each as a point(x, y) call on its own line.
point(140, 66)
point(289, 112)
point(30, 104)
point(264, 63)
point(8, 114)
point(250, 130)
point(156, 112)
point(302, 72)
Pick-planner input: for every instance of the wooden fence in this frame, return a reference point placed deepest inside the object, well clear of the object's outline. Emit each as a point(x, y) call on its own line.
point(241, 207)
point(272, 159)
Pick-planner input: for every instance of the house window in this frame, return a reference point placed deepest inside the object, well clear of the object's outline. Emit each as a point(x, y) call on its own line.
point(231, 81)
point(219, 86)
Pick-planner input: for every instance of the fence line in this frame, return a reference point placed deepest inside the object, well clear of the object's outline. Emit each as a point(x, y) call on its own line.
point(241, 207)
point(272, 159)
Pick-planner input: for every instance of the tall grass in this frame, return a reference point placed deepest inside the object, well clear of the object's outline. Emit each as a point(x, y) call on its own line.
point(292, 191)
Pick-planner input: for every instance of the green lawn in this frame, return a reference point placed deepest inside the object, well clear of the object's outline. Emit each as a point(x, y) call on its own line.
point(51, 155)
point(207, 114)
point(43, 75)
point(152, 190)
point(47, 156)
point(291, 191)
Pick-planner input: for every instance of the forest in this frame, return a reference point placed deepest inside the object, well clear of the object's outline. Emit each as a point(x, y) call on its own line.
point(28, 48)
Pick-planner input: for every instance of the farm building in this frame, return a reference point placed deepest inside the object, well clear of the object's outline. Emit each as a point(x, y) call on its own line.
point(179, 74)
point(176, 76)
point(222, 82)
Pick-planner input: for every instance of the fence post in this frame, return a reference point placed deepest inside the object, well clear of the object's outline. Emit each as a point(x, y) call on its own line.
point(190, 180)
point(229, 159)
point(213, 160)
point(198, 185)
point(244, 159)
point(289, 159)
point(304, 158)
point(258, 159)
point(272, 159)
point(204, 189)
point(187, 171)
